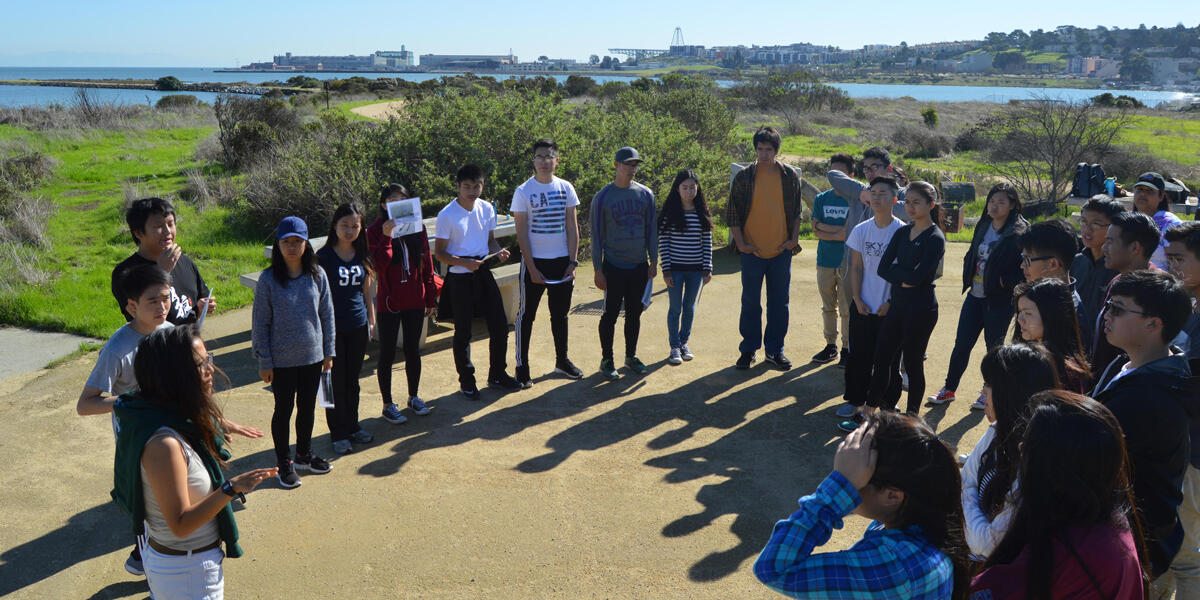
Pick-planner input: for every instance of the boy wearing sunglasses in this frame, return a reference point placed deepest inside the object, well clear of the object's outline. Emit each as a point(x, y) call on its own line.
point(1128, 244)
point(1047, 251)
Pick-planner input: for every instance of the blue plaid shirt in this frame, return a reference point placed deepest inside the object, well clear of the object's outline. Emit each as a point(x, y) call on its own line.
point(885, 563)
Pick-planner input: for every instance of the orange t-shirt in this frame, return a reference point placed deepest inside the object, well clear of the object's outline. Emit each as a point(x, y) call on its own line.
point(766, 226)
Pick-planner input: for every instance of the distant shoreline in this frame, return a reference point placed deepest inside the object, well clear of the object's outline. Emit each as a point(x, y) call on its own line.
point(134, 84)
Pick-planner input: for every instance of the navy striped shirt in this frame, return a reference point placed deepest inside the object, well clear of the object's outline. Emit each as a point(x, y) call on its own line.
point(686, 250)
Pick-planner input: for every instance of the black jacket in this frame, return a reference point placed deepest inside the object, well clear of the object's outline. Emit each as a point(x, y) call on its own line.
point(1154, 404)
point(1003, 270)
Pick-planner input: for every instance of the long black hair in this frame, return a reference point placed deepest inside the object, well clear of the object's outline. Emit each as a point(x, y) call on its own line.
point(915, 461)
point(929, 193)
point(1060, 328)
point(308, 263)
point(360, 243)
point(1015, 373)
point(416, 247)
point(168, 375)
point(1074, 473)
point(672, 210)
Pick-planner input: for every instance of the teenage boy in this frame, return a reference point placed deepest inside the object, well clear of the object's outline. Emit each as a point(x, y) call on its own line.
point(548, 233)
point(876, 162)
point(1091, 276)
point(829, 225)
point(1130, 241)
point(866, 244)
point(764, 221)
point(465, 236)
point(1149, 392)
point(152, 225)
point(1183, 256)
point(624, 236)
point(148, 292)
point(1047, 250)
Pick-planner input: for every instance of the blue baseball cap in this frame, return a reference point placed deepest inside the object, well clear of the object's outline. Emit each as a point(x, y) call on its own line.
point(627, 154)
point(292, 227)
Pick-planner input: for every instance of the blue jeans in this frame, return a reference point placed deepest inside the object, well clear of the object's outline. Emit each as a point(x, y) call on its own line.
point(978, 314)
point(683, 297)
point(778, 273)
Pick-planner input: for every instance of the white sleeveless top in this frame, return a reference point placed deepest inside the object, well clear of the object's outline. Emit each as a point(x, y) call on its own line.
point(199, 485)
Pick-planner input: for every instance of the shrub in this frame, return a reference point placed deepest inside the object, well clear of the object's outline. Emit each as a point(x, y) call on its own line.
point(578, 85)
point(247, 127)
point(920, 142)
point(170, 83)
point(929, 116)
point(175, 101)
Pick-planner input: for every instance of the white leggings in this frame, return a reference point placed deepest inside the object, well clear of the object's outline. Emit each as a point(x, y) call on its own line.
point(195, 577)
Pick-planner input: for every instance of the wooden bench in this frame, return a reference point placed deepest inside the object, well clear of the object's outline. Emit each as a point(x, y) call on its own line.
point(507, 275)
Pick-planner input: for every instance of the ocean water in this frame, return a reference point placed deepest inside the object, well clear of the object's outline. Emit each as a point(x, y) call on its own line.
point(38, 95)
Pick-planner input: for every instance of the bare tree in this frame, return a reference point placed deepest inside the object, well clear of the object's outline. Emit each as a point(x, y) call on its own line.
point(1036, 144)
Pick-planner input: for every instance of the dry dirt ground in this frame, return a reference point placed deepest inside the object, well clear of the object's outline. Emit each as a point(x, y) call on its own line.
point(380, 111)
point(660, 486)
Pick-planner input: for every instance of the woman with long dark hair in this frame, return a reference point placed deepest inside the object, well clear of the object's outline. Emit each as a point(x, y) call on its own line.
point(292, 336)
point(685, 249)
point(351, 274)
point(1075, 533)
point(910, 264)
point(897, 472)
point(1058, 331)
point(1011, 376)
point(170, 450)
point(991, 269)
point(407, 297)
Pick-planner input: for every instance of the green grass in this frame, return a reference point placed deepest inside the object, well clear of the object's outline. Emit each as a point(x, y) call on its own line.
point(88, 233)
point(1045, 58)
point(1172, 138)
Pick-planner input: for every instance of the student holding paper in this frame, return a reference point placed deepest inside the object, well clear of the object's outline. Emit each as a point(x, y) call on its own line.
point(685, 245)
point(465, 238)
point(407, 295)
point(548, 233)
point(292, 336)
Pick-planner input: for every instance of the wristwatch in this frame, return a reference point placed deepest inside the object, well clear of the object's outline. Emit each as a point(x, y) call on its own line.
point(227, 488)
point(574, 263)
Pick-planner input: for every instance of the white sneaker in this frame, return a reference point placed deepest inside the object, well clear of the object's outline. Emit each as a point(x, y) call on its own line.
point(846, 410)
point(685, 352)
point(675, 358)
point(979, 404)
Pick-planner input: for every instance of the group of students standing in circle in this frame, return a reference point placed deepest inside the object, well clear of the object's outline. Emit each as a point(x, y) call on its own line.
point(1086, 483)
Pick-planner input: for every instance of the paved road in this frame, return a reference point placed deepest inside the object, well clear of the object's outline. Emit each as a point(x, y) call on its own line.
point(24, 350)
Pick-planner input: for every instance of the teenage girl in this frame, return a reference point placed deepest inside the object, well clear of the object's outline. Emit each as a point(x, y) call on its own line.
point(685, 248)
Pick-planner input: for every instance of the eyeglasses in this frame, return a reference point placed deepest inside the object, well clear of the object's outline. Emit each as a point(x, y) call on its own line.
point(872, 166)
point(1116, 310)
point(207, 361)
point(545, 156)
point(1028, 260)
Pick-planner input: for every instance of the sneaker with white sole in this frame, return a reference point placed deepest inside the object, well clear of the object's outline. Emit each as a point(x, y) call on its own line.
point(685, 352)
point(675, 357)
point(943, 396)
point(133, 564)
point(847, 410)
point(287, 475)
point(418, 407)
point(312, 463)
point(979, 403)
point(566, 367)
point(391, 414)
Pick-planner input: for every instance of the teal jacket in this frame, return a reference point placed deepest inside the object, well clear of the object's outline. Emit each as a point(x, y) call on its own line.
point(137, 420)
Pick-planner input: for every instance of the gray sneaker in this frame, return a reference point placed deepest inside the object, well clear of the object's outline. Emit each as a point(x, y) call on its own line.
point(676, 358)
point(391, 414)
point(685, 352)
point(342, 447)
point(418, 407)
point(361, 437)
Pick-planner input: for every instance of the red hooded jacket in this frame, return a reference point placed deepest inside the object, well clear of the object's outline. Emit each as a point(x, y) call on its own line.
point(401, 288)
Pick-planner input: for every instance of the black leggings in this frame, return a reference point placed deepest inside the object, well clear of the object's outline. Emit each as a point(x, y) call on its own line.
point(351, 346)
point(390, 324)
point(625, 286)
point(294, 386)
point(905, 332)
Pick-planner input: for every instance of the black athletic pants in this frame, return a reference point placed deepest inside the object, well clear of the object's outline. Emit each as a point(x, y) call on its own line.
point(625, 286)
point(351, 348)
point(864, 334)
point(294, 386)
point(905, 332)
point(560, 304)
point(471, 295)
point(389, 325)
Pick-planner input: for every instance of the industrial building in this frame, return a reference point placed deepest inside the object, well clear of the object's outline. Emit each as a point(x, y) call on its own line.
point(467, 61)
point(381, 59)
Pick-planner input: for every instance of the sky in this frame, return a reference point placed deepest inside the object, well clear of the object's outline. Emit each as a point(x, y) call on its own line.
point(228, 33)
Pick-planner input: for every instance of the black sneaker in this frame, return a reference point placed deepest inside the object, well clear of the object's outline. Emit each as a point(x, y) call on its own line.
point(287, 475)
point(312, 463)
point(523, 377)
point(504, 380)
point(568, 368)
point(844, 360)
point(780, 361)
point(469, 390)
point(828, 355)
point(133, 564)
point(745, 360)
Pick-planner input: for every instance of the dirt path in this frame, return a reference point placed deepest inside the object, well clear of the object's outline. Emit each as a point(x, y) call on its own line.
point(381, 111)
point(662, 486)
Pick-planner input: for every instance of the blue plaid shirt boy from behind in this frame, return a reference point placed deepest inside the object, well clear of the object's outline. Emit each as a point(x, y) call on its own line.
point(885, 563)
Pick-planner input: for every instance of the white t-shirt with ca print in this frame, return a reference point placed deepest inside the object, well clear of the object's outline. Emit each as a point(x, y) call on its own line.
point(871, 240)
